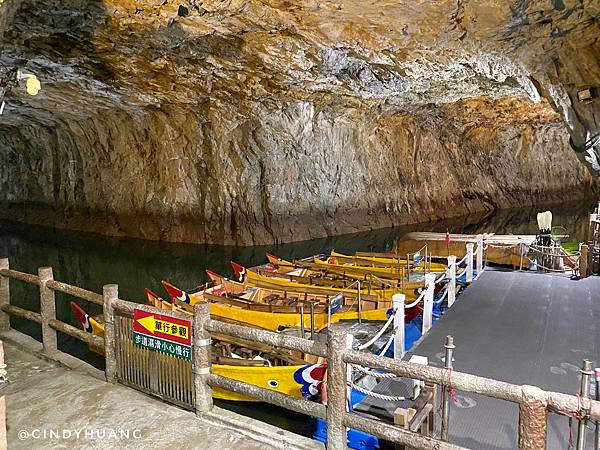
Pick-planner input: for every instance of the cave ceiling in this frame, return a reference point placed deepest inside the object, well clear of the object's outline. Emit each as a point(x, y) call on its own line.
point(392, 55)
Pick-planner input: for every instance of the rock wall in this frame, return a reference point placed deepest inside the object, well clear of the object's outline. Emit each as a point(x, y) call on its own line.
point(255, 175)
point(250, 121)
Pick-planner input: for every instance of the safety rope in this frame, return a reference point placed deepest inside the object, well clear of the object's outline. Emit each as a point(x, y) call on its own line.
point(389, 398)
point(375, 374)
point(354, 300)
point(410, 305)
point(441, 277)
point(554, 255)
point(379, 333)
point(504, 245)
point(389, 321)
point(437, 302)
point(458, 275)
point(387, 345)
point(462, 260)
point(570, 269)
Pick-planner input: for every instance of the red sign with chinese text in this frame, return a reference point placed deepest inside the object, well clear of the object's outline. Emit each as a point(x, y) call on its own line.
point(164, 327)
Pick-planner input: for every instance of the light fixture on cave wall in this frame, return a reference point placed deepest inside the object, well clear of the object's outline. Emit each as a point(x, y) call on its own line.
point(10, 78)
point(587, 95)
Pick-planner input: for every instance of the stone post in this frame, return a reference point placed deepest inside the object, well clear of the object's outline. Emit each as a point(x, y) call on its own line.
point(584, 393)
point(336, 387)
point(4, 296)
point(398, 303)
point(47, 309)
point(533, 419)
point(449, 349)
point(110, 293)
point(201, 357)
point(451, 280)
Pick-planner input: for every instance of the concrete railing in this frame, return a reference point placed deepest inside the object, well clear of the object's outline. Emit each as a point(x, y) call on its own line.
point(47, 315)
point(534, 403)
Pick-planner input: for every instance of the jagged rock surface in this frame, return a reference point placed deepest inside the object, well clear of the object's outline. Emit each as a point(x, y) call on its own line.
point(246, 122)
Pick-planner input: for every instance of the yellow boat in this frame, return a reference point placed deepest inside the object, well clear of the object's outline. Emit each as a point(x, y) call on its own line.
point(251, 278)
point(394, 272)
point(394, 283)
point(298, 380)
point(275, 318)
point(375, 261)
point(306, 272)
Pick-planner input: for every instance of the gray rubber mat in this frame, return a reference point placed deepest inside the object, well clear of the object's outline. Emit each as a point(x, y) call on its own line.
point(523, 328)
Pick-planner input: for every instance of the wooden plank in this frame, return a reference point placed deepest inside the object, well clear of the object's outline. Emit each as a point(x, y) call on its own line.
point(418, 419)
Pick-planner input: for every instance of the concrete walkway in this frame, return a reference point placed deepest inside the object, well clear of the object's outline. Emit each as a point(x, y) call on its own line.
point(49, 404)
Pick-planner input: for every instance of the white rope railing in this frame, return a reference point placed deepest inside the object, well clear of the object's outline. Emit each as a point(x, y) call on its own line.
point(389, 322)
point(406, 306)
point(540, 249)
point(387, 345)
point(504, 245)
point(410, 305)
point(458, 275)
point(570, 269)
point(462, 260)
point(437, 302)
point(379, 333)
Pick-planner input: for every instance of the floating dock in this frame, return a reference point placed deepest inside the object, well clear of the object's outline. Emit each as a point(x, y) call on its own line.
point(522, 328)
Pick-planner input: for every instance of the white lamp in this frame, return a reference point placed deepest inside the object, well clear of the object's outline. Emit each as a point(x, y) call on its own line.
point(32, 84)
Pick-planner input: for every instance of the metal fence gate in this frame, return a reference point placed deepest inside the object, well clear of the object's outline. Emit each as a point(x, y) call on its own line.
point(159, 374)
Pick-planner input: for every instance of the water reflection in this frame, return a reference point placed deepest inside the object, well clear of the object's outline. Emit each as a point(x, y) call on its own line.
point(90, 260)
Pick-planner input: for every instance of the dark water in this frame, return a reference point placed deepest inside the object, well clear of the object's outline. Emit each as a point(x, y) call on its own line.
point(90, 261)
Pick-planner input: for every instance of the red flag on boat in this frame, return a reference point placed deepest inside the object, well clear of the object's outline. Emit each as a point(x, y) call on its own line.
point(82, 317)
point(175, 292)
point(239, 271)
